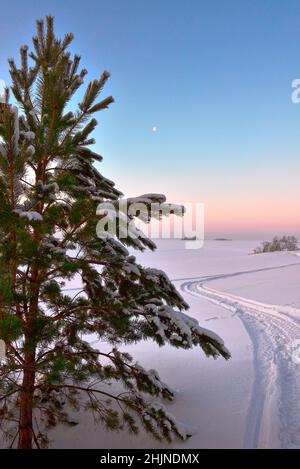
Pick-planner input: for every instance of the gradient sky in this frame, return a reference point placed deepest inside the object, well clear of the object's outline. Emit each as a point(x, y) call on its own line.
point(214, 77)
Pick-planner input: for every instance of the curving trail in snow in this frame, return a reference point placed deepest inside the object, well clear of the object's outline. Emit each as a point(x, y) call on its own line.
point(273, 418)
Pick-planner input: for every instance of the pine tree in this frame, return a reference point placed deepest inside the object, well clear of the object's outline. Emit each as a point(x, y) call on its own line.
point(50, 190)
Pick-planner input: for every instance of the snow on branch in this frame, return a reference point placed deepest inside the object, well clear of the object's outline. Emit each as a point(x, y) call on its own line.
point(30, 215)
point(184, 331)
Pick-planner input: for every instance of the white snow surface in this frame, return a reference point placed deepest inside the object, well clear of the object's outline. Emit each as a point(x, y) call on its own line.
point(250, 401)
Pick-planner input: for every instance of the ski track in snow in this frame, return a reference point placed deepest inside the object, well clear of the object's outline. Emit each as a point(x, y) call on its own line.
point(273, 418)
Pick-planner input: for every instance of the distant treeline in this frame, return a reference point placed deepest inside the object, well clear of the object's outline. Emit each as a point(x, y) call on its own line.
point(286, 243)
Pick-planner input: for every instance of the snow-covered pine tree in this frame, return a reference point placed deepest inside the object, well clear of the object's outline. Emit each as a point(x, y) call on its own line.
point(50, 190)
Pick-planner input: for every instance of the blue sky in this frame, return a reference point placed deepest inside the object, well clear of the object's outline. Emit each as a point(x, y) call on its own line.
point(214, 77)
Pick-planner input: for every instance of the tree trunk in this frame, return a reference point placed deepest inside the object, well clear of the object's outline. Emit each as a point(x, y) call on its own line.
point(27, 391)
point(26, 408)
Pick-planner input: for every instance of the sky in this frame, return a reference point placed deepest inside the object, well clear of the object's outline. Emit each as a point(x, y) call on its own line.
point(213, 78)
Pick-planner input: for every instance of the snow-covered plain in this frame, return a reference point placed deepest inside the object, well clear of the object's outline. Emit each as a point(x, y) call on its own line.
point(252, 400)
